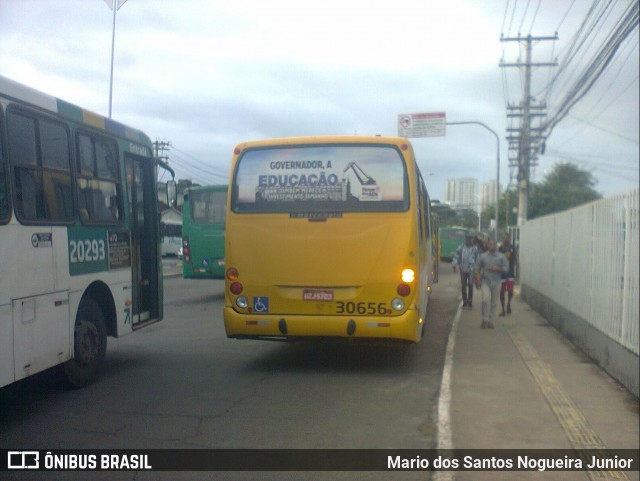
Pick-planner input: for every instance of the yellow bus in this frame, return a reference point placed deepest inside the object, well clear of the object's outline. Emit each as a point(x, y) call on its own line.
point(327, 237)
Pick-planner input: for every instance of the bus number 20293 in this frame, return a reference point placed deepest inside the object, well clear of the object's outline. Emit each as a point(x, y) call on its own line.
point(87, 250)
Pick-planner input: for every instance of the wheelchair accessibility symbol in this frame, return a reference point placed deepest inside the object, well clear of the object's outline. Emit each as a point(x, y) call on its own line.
point(260, 304)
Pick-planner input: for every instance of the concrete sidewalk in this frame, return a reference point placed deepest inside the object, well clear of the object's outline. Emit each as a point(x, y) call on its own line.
point(523, 386)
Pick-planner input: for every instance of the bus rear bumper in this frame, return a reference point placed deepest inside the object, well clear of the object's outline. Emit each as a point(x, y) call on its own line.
point(406, 327)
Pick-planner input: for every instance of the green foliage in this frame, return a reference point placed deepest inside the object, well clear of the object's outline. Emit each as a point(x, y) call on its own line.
point(566, 186)
point(508, 207)
point(468, 218)
point(184, 184)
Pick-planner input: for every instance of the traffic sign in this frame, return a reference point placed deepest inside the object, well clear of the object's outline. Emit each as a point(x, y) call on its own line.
point(431, 124)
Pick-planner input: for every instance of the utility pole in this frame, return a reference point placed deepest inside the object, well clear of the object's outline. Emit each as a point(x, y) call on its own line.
point(159, 147)
point(527, 142)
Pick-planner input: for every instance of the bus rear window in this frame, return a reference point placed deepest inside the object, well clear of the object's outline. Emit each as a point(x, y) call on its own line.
point(321, 179)
point(208, 206)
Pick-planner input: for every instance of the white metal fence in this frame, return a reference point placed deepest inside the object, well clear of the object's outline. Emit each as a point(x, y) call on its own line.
point(587, 260)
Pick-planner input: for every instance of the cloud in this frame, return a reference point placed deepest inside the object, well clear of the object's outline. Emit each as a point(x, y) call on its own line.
point(207, 75)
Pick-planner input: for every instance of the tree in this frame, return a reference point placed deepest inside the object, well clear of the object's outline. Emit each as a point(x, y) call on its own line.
point(566, 186)
point(184, 184)
point(508, 202)
point(468, 218)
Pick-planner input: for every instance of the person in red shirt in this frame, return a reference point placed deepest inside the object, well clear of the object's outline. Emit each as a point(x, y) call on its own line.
point(509, 278)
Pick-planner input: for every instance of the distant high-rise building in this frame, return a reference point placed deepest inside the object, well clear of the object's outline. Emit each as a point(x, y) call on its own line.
point(450, 191)
point(488, 193)
point(462, 193)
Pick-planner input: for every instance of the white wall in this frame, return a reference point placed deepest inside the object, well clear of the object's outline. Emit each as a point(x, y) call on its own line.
point(587, 260)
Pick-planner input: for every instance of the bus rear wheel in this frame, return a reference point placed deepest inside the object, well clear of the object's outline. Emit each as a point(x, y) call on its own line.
point(89, 344)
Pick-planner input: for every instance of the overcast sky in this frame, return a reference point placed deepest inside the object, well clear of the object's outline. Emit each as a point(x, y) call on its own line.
point(207, 74)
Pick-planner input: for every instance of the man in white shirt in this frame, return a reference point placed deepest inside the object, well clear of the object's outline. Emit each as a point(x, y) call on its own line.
point(465, 260)
point(491, 265)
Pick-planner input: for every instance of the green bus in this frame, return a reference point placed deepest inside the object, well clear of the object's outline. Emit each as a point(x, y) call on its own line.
point(450, 240)
point(203, 231)
point(80, 234)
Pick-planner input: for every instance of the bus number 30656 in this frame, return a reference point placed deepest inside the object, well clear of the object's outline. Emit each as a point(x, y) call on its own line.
point(362, 308)
point(87, 250)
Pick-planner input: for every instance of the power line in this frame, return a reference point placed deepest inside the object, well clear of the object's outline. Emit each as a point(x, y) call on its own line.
point(198, 167)
point(600, 165)
point(597, 159)
point(577, 42)
point(615, 134)
point(634, 81)
point(609, 89)
point(596, 67)
point(535, 15)
point(185, 169)
point(564, 17)
point(513, 14)
point(504, 17)
point(524, 15)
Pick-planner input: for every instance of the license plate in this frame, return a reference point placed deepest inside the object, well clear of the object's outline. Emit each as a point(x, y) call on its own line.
point(317, 295)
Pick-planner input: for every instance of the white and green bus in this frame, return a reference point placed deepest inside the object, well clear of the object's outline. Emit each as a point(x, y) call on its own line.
point(79, 231)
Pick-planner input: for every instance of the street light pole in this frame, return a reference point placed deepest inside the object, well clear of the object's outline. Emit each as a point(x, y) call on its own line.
point(115, 6)
point(497, 164)
point(479, 198)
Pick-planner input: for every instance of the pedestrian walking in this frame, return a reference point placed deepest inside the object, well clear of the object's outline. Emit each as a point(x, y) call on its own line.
point(508, 278)
point(481, 244)
point(465, 261)
point(491, 265)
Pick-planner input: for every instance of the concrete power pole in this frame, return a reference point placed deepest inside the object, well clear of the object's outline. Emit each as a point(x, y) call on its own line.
point(526, 143)
point(159, 147)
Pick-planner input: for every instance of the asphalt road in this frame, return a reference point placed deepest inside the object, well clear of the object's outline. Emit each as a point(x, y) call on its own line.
point(181, 383)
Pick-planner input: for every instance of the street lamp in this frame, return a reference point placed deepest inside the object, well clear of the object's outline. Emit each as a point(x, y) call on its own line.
point(479, 197)
point(115, 6)
point(497, 164)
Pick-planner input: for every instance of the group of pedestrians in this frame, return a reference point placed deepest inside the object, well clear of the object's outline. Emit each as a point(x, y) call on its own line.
point(491, 270)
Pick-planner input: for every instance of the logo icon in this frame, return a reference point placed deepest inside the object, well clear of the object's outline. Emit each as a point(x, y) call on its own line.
point(23, 460)
point(261, 304)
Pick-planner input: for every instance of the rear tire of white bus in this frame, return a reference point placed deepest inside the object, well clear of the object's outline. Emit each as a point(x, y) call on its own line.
point(89, 344)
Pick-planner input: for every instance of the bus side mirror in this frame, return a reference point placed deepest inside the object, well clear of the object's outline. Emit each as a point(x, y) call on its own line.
point(172, 194)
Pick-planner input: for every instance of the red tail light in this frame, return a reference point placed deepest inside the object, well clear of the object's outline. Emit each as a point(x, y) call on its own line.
point(236, 288)
point(403, 290)
point(186, 250)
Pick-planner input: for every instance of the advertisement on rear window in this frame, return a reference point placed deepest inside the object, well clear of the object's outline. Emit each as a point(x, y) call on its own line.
point(340, 178)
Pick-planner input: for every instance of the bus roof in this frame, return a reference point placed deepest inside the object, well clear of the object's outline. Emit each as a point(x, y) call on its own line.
point(323, 139)
point(12, 90)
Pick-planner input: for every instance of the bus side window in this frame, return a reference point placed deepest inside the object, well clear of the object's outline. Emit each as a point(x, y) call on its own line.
point(100, 191)
point(41, 159)
point(28, 203)
point(4, 186)
point(422, 212)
